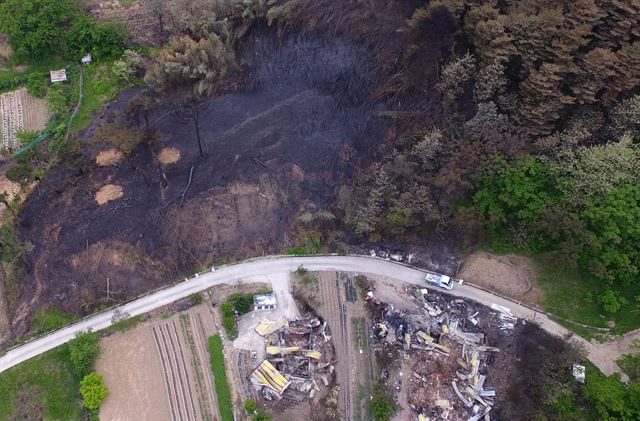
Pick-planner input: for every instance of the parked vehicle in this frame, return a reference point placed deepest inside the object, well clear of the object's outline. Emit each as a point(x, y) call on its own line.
point(442, 281)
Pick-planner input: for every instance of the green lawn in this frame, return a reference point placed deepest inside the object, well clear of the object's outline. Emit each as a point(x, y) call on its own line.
point(573, 296)
point(45, 386)
point(48, 319)
point(220, 378)
point(100, 86)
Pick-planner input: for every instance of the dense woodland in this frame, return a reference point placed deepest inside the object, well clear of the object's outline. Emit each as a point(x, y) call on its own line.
point(513, 124)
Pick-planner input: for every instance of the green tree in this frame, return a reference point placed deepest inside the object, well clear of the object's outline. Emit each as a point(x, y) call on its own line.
point(612, 235)
point(93, 390)
point(201, 64)
point(102, 40)
point(382, 406)
point(513, 194)
point(36, 27)
point(83, 351)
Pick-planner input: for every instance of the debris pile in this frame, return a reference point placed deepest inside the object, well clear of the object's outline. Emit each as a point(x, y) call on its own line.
point(445, 349)
point(299, 358)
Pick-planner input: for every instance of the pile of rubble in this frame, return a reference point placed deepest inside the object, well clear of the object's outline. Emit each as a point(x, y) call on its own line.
point(299, 358)
point(446, 352)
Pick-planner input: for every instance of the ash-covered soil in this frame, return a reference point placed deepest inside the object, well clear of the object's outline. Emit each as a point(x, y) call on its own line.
point(307, 104)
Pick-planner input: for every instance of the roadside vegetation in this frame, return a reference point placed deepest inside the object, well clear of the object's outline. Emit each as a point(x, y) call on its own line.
point(54, 384)
point(223, 392)
point(236, 305)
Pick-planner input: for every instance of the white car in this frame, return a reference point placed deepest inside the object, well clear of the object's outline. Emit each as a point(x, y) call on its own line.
point(442, 281)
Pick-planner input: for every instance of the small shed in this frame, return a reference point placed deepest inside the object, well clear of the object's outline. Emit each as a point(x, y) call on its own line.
point(86, 59)
point(58, 75)
point(264, 301)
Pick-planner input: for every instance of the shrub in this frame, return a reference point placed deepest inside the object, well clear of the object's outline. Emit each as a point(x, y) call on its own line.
point(103, 41)
point(611, 301)
point(196, 299)
point(83, 351)
point(36, 28)
point(382, 406)
point(126, 67)
point(250, 406)
point(93, 390)
point(37, 84)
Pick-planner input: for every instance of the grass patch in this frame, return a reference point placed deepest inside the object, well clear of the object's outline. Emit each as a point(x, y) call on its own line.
point(573, 295)
point(44, 387)
point(127, 324)
point(100, 86)
point(630, 365)
point(48, 319)
point(220, 378)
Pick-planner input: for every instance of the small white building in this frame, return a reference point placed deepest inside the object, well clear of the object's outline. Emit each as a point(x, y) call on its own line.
point(58, 75)
point(86, 59)
point(264, 301)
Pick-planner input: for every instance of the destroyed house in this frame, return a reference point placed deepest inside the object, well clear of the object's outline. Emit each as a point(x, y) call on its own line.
point(266, 375)
point(264, 301)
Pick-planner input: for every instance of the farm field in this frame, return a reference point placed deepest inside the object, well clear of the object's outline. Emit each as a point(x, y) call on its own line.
point(170, 358)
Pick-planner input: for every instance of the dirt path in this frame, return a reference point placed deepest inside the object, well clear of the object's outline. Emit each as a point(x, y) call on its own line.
point(350, 339)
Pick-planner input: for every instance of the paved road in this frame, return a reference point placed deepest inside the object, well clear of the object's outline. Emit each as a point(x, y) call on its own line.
point(247, 271)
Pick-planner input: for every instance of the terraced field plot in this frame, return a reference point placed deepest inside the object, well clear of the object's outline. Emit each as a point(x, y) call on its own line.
point(160, 370)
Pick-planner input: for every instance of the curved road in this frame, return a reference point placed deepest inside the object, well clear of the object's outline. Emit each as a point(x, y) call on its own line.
point(260, 267)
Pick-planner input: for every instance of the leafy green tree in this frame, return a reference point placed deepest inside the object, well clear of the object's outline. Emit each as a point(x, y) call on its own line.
point(382, 406)
point(611, 301)
point(513, 194)
point(83, 351)
point(36, 27)
point(612, 235)
point(37, 84)
point(93, 390)
point(103, 40)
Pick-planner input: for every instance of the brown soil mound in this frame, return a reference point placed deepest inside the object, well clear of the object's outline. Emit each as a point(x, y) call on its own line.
point(509, 275)
point(108, 157)
point(169, 156)
point(108, 192)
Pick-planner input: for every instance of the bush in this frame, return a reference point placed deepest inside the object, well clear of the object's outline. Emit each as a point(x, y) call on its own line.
point(126, 67)
point(196, 299)
point(36, 28)
point(611, 301)
point(93, 390)
point(103, 41)
point(37, 84)
point(83, 351)
point(261, 416)
point(250, 406)
point(382, 405)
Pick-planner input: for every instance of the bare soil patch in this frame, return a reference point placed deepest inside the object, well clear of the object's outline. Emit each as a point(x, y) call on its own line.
point(160, 370)
point(132, 372)
point(108, 157)
point(169, 156)
point(509, 275)
point(108, 193)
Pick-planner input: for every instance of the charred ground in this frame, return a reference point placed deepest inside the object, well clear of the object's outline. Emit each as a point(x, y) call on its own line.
point(294, 118)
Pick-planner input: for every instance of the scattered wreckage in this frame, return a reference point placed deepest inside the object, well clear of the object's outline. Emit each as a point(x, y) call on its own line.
point(446, 351)
point(298, 358)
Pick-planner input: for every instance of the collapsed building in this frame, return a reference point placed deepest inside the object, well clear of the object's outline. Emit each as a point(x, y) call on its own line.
point(299, 358)
point(446, 352)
